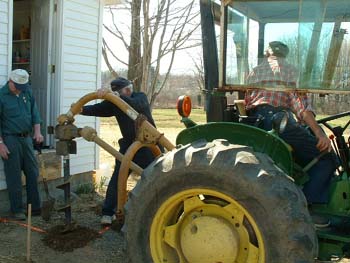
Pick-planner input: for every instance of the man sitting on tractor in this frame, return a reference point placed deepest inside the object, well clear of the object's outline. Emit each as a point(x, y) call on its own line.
point(263, 101)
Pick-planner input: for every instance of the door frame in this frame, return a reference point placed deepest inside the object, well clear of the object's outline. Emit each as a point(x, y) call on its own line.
point(10, 36)
point(57, 58)
point(48, 81)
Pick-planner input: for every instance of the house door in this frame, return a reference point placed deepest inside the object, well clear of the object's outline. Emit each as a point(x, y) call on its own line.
point(41, 32)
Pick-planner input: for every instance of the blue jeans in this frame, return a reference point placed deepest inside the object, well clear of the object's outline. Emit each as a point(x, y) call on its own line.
point(21, 157)
point(316, 190)
point(143, 158)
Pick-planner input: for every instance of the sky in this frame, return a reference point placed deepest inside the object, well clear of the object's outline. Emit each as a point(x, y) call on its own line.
point(183, 62)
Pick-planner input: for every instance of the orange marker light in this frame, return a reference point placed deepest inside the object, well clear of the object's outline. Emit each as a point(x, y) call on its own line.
point(184, 106)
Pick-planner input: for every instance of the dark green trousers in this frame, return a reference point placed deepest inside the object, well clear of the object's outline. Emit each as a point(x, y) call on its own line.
point(21, 158)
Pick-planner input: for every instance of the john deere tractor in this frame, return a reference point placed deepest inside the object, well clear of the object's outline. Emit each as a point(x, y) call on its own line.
point(230, 191)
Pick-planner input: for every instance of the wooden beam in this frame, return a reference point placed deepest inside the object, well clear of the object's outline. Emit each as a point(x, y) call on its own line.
point(315, 90)
point(312, 52)
point(333, 54)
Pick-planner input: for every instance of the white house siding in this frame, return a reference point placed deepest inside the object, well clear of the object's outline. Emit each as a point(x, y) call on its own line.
point(4, 40)
point(80, 69)
point(5, 51)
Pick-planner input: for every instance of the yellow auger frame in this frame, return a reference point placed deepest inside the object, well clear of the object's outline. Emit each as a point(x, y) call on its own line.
point(146, 136)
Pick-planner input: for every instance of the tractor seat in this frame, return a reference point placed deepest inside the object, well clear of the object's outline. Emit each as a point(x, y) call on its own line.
point(243, 117)
point(240, 105)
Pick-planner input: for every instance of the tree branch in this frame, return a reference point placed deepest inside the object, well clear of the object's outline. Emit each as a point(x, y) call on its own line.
point(104, 43)
point(110, 68)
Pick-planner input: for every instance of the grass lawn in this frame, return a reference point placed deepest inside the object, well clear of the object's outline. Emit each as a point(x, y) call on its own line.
point(339, 122)
point(168, 122)
point(169, 118)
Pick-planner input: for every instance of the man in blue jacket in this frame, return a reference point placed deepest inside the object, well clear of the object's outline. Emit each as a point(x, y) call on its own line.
point(137, 100)
point(19, 120)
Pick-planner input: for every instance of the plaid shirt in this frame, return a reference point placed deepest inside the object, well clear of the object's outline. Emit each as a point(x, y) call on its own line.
point(273, 73)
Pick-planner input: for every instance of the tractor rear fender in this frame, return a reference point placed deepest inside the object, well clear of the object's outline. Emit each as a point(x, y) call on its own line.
point(236, 133)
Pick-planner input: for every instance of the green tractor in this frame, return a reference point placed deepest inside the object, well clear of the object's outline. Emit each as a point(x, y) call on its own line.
point(229, 191)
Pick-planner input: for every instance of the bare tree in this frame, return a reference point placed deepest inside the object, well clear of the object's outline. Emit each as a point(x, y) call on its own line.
point(198, 70)
point(105, 56)
point(135, 59)
point(156, 33)
point(115, 31)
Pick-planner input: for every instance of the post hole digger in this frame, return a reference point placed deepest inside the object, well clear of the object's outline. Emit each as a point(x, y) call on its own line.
point(230, 191)
point(49, 203)
point(146, 136)
point(202, 188)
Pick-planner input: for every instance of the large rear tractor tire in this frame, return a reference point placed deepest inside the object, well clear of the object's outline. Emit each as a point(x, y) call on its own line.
point(217, 202)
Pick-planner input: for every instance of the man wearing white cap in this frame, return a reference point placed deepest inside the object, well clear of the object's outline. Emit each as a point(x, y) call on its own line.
point(19, 119)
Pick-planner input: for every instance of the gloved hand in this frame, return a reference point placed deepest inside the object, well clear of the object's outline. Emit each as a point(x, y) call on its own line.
point(102, 92)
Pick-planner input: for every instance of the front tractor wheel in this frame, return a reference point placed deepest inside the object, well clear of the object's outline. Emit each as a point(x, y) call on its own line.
point(217, 202)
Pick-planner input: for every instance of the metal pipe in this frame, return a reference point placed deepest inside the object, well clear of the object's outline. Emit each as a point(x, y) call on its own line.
point(66, 177)
point(333, 53)
point(314, 161)
point(124, 172)
point(122, 105)
point(90, 135)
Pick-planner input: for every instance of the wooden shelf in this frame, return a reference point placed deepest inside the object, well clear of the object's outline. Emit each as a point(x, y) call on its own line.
point(21, 41)
point(21, 63)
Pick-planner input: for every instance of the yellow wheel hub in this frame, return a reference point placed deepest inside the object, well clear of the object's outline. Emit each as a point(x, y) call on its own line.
point(209, 239)
point(201, 225)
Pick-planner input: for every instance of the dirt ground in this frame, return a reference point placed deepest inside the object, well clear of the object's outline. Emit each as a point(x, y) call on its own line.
point(110, 133)
point(97, 244)
point(51, 245)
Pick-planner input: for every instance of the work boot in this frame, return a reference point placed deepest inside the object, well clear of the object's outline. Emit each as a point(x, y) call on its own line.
point(320, 221)
point(19, 216)
point(35, 212)
point(107, 220)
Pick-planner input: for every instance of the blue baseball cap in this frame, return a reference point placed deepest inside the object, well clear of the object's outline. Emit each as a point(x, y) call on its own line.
point(20, 79)
point(120, 83)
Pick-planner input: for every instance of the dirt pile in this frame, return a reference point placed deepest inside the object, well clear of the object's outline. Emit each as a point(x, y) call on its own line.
point(58, 238)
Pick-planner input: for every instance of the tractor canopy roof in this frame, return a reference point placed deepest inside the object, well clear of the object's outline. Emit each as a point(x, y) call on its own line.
point(315, 32)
